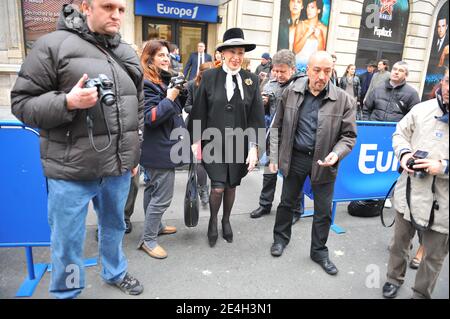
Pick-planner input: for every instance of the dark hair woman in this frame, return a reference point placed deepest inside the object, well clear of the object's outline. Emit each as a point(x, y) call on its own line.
point(350, 83)
point(202, 178)
point(228, 99)
point(162, 114)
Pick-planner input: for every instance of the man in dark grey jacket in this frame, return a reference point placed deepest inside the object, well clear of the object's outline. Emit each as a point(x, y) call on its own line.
point(88, 148)
point(317, 124)
point(392, 99)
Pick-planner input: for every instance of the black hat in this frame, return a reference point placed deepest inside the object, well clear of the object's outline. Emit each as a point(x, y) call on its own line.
point(233, 38)
point(372, 63)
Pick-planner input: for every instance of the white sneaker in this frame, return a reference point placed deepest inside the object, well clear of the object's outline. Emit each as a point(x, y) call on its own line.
point(388, 203)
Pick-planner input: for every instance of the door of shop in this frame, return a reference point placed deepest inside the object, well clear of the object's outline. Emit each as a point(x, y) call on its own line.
point(372, 50)
point(183, 33)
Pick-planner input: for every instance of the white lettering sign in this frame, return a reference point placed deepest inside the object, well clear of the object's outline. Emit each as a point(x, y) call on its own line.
point(383, 32)
point(382, 163)
point(180, 12)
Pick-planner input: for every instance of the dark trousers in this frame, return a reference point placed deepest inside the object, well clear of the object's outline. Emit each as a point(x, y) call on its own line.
point(268, 194)
point(323, 195)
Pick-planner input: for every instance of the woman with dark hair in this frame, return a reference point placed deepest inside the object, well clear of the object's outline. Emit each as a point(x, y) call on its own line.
point(162, 114)
point(350, 83)
point(192, 86)
point(227, 100)
point(310, 34)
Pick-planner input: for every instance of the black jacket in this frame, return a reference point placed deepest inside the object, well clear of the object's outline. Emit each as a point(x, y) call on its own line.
point(209, 108)
point(388, 104)
point(53, 67)
point(162, 116)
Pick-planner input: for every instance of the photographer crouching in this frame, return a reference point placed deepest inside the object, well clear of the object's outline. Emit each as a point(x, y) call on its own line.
point(421, 199)
point(89, 135)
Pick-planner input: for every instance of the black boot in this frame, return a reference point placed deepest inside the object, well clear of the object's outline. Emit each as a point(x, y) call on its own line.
point(212, 232)
point(227, 232)
point(204, 194)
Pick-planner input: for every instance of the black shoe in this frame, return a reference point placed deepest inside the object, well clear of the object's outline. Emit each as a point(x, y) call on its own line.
point(203, 192)
point(259, 212)
point(128, 227)
point(277, 249)
point(328, 266)
point(390, 290)
point(296, 218)
point(212, 232)
point(130, 285)
point(227, 232)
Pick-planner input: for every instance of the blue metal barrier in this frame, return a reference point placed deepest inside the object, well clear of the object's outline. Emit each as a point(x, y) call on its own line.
point(368, 171)
point(23, 198)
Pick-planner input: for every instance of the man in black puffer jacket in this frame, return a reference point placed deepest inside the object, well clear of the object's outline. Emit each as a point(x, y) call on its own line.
point(391, 100)
point(88, 148)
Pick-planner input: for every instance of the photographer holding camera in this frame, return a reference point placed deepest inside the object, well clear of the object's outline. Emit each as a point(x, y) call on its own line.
point(51, 94)
point(421, 198)
point(165, 97)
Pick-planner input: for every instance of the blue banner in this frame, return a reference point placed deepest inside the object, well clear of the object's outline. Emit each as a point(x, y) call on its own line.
point(176, 10)
point(370, 169)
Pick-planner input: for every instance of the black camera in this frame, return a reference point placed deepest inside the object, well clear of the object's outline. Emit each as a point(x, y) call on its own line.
point(177, 82)
point(418, 172)
point(104, 88)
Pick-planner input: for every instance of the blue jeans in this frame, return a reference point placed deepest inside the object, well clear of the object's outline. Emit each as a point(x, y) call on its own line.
point(67, 209)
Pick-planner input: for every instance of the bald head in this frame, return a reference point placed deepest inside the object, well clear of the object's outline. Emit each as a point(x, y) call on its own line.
point(319, 71)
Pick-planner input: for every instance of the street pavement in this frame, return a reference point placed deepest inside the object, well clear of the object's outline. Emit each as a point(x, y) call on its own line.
point(242, 269)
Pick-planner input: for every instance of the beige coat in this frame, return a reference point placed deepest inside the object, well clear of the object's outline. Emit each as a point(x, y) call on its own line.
point(420, 130)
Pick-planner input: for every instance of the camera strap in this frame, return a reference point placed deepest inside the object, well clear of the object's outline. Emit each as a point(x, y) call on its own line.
point(114, 57)
point(433, 206)
point(382, 207)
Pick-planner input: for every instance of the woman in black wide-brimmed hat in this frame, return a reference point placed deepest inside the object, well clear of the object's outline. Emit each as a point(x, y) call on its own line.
point(228, 99)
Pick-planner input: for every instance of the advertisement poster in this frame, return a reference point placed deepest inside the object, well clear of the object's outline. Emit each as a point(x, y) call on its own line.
point(304, 28)
point(40, 17)
point(438, 54)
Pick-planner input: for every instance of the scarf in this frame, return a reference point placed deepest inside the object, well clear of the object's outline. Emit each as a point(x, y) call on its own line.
point(229, 86)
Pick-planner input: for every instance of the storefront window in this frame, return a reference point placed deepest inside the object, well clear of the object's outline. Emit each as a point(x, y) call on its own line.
point(304, 28)
point(40, 17)
point(382, 31)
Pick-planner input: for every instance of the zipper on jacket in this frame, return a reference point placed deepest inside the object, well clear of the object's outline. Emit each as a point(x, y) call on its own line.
point(68, 145)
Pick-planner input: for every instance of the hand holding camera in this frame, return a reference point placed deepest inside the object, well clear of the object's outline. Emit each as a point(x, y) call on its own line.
point(176, 86)
point(80, 97)
point(419, 165)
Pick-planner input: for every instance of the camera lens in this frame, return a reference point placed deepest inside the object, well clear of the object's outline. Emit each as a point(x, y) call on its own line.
point(108, 99)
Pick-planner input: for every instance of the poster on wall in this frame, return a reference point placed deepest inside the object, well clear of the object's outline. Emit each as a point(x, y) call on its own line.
point(304, 28)
point(40, 17)
point(438, 54)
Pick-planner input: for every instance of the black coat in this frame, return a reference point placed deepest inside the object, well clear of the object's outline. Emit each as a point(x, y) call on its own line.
point(388, 104)
point(210, 108)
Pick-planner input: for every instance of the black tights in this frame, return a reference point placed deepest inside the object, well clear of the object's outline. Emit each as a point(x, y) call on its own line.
point(215, 200)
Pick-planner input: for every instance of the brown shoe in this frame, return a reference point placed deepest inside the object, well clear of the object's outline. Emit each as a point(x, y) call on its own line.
point(158, 252)
point(167, 230)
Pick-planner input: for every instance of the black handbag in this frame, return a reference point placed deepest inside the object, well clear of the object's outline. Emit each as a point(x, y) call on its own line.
point(191, 198)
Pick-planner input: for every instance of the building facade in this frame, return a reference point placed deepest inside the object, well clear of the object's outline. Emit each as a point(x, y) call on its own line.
point(357, 30)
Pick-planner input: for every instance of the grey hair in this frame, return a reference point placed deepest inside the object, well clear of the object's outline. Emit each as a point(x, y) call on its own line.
point(404, 65)
point(284, 56)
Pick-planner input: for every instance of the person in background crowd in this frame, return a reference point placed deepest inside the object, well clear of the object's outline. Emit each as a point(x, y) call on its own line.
point(228, 98)
point(334, 78)
point(162, 113)
point(195, 60)
point(175, 59)
point(392, 99)
point(366, 78)
point(350, 83)
point(285, 72)
point(421, 200)
point(192, 87)
point(263, 69)
point(246, 65)
point(380, 77)
point(217, 59)
point(81, 166)
point(310, 103)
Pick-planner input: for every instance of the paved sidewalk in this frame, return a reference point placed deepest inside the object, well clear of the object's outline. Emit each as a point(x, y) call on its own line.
point(243, 269)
